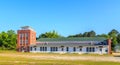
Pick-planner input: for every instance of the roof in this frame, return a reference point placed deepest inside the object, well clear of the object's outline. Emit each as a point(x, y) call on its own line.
point(72, 39)
point(27, 28)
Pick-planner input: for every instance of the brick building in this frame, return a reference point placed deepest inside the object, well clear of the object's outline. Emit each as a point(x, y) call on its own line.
point(26, 37)
point(27, 43)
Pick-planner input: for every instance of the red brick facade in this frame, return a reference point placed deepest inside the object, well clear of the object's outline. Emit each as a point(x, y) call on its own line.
point(109, 46)
point(24, 39)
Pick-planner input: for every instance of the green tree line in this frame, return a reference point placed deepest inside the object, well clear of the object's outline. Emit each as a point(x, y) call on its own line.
point(8, 40)
point(50, 34)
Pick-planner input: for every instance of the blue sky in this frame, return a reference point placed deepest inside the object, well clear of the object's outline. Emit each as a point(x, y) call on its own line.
point(65, 16)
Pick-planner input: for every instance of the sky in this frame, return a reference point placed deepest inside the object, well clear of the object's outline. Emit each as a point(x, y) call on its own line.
point(67, 17)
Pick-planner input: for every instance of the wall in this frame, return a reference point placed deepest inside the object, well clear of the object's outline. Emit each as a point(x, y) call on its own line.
point(97, 51)
point(24, 46)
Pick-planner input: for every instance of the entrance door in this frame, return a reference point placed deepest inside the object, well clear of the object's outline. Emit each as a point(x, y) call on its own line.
point(23, 49)
point(100, 50)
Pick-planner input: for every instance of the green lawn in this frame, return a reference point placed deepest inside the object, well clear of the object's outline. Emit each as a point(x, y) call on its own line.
point(24, 61)
point(11, 58)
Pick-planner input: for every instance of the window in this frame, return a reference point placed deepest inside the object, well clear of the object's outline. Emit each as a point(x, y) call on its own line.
point(35, 49)
point(74, 49)
point(90, 49)
point(87, 49)
point(20, 41)
point(62, 49)
point(67, 48)
point(43, 48)
point(23, 35)
point(31, 48)
point(26, 41)
point(80, 49)
point(50, 48)
point(26, 35)
point(20, 36)
point(93, 49)
point(106, 50)
point(100, 49)
point(53, 48)
point(56, 48)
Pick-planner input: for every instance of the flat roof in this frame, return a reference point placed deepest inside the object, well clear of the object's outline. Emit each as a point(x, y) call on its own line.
point(27, 28)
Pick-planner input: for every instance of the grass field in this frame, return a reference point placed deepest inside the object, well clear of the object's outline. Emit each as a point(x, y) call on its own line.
point(17, 58)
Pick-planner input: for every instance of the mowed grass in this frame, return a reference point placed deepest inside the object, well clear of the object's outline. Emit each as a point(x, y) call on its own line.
point(10, 58)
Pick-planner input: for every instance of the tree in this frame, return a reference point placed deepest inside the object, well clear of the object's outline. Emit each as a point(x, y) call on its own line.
point(91, 34)
point(85, 34)
point(8, 40)
point(113, 35)
point(3, 40)
point(118, 38)
point(103, 35)
point(12, 37)
point(51, 34)
point(77, 35)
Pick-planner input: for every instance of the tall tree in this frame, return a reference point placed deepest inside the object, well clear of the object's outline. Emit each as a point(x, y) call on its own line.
point(12, 39)
point(118, 38)
point(113, 35)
